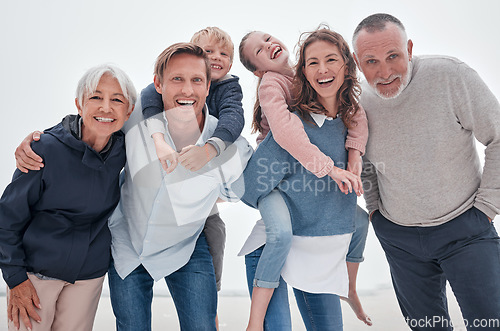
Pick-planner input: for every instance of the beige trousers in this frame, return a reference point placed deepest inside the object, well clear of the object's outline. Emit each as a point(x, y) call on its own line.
point(65, 306)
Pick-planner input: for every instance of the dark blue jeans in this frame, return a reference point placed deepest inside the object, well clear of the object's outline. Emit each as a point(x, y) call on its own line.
point(320, 312)
point(465, 251)
point(192, 288)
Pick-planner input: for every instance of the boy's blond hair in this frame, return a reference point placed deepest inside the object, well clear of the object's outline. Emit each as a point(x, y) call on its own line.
point(221, 36)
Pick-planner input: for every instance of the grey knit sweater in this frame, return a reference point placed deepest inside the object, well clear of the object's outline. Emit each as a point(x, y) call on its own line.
point(421, 163)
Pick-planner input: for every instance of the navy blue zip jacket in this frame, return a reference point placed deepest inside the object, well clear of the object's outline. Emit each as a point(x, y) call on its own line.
point(54, 221)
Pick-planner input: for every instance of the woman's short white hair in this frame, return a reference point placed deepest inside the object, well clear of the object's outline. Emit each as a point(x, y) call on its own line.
point(88, 83)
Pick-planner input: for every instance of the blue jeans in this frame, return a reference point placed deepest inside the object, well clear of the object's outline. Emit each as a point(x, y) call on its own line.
point(318, 311)
point(276, 217)
point(358, 240)
point(465, 251)
point(192, 288)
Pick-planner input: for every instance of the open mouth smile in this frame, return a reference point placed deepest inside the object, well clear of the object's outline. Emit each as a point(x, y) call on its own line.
point(185, 102)
point(104, 119)
point(276, 52)
point(325, 80)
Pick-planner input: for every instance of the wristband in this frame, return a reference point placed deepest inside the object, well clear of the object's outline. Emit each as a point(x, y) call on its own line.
point(218, 144)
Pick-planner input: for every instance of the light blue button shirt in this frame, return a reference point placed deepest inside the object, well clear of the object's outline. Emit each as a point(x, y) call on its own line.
point(160, 216)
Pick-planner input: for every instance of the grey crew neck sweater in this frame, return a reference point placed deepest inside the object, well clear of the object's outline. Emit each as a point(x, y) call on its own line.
point(421, 164)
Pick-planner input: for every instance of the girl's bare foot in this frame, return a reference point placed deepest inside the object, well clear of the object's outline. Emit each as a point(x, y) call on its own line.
point(355, 303)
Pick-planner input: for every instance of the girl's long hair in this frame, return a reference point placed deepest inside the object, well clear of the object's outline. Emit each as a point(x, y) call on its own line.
point(305, 98)
point(257, 110)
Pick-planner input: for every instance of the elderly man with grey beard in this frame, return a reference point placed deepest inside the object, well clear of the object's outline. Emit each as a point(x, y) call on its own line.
point(430, 203)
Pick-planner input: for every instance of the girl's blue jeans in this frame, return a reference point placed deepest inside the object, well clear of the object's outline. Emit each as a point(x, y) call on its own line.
point(318, 311)
point(276, 217)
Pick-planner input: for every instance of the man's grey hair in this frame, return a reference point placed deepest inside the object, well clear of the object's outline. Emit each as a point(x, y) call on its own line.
point(374, 23)
point(88, 83)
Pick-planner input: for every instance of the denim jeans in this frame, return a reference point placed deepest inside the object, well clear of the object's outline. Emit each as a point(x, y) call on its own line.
point(318, 311)
point(276, 217)
point(465, 251)
point(358, 240)
point(192, 288)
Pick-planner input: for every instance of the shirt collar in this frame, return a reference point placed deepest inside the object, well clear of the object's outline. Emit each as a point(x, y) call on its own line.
point(319, 119)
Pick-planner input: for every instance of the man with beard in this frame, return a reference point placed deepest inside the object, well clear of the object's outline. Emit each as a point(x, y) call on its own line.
point(430, 204)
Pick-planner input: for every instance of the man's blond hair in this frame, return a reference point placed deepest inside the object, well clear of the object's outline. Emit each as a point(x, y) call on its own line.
point(180, 48)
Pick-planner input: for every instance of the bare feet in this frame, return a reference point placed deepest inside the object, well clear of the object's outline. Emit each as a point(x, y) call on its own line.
point(355, 303)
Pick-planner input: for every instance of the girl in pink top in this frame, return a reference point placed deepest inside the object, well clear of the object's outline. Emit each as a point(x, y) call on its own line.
point(268, 59)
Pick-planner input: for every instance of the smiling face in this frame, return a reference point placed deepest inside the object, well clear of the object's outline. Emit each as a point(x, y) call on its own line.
point(219, 56)
point(104, 111)
point(184, 87)
point(266, 53)
point(324, 69)
point(384, 59)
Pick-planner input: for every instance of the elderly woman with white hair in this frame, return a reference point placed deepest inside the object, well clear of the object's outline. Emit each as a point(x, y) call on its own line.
point(54, 237)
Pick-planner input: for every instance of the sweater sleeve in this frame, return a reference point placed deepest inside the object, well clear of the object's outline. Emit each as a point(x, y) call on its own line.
point(478, 111)
point(357, 136)
point(370, 186)
point(230, 113)
point(15, 214)
point(155, 125)
point(287, 128)
point(152, 104)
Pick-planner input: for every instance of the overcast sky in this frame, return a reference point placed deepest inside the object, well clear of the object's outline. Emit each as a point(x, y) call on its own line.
point(47, 45)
